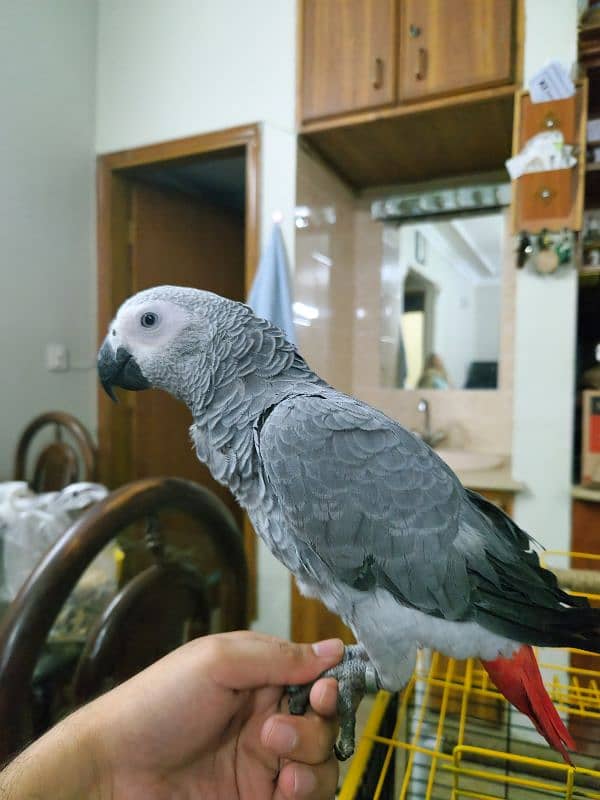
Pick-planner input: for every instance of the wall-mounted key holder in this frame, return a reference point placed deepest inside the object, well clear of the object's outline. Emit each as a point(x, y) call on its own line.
point(552, 199)
point(545, 252)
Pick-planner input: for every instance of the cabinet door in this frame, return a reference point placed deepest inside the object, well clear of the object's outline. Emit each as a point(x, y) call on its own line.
point(348, 56)
point(448, 46)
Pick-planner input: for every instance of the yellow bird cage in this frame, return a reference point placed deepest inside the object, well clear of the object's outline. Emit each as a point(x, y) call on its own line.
point(451, 735)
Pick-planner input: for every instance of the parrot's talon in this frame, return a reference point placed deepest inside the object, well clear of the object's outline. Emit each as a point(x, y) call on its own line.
point(343, 751)
point(355, 676)
point(298, 698)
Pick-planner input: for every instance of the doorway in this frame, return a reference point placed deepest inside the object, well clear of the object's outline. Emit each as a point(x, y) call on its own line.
point(183, 212)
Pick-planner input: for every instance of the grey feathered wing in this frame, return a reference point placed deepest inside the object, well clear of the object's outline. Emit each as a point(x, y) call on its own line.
point(369, 498)
point(381, 509)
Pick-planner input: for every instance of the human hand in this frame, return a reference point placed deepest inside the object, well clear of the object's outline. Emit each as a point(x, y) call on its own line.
point(207, 721)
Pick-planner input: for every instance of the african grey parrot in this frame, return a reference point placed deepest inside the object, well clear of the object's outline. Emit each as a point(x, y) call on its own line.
point(366, 516)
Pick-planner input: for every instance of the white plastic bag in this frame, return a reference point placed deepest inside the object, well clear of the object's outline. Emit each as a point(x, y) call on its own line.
point(31, 523)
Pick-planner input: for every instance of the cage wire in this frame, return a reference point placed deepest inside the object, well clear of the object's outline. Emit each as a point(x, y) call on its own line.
point(451, 735)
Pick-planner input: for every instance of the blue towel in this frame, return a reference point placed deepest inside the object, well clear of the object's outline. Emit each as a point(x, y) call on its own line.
point(270, 295)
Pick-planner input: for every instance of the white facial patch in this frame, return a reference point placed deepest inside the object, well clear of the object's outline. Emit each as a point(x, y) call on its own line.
point(148, 326)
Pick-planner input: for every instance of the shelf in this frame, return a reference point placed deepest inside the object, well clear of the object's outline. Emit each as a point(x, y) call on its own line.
point(434, 139)
point(589, 46)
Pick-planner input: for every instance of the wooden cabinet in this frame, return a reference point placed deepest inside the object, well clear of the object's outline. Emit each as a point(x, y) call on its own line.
point(450, 46)
point(348, 56)
point(364, 55)
point(585, 538)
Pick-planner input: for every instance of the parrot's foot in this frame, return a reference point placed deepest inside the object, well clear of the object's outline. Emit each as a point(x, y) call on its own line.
point(355, 676)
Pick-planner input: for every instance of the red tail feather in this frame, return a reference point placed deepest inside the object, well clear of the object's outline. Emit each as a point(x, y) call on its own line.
point(519, 680)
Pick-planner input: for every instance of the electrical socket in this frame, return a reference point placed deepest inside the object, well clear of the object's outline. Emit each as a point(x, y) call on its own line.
point(57, 358)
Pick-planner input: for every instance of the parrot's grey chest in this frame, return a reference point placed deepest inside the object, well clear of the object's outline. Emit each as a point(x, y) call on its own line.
point(235, 462)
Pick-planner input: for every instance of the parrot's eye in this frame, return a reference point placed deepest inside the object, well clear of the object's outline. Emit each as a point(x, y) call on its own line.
point(149, 319)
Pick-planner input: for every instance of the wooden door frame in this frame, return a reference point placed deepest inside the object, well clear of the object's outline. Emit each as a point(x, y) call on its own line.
point(114, 276)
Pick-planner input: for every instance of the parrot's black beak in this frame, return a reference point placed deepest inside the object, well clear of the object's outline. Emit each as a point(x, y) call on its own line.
point(119, 369)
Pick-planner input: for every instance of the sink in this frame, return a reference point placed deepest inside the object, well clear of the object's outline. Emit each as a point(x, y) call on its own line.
point(469, 461)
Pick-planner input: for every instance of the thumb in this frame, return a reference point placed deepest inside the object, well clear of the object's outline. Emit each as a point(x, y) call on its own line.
point(247, 660)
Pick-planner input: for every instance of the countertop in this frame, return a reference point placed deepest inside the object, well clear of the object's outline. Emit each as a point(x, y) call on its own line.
point(499, 479)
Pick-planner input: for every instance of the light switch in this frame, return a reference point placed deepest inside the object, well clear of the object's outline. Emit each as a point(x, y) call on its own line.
point(57, 358)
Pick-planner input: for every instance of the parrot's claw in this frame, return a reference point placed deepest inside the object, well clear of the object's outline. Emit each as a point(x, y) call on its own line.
point(298, 701)
point(355, 676)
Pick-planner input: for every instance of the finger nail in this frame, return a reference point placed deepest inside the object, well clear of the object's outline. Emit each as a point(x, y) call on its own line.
point(329, 648)
point(326, 690)
point(305, 782)
point(281, 738)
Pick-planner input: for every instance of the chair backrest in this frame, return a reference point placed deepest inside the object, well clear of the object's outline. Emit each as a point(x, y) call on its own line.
point(157, 610)
point(69, 458)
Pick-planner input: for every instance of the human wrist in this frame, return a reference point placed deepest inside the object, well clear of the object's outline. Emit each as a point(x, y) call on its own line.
point(64, 764)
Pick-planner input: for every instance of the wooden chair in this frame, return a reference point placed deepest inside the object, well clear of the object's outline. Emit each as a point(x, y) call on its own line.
point(164, 604)
point(69, 458)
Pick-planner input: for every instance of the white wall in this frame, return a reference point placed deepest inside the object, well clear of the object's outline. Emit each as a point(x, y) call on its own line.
point(174, 68)
point(47, 273)
point(169, 68)
point(488, 297)
point(545, 337)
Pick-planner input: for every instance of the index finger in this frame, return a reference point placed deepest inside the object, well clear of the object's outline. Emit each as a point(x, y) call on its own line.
point(244, 660)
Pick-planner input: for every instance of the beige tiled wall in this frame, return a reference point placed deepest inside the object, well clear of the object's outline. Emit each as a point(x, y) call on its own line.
point(324, 275)
point(342, 343)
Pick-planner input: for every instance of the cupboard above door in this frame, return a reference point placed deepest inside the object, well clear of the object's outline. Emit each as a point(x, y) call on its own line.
point(451, 46)
point(348, 56)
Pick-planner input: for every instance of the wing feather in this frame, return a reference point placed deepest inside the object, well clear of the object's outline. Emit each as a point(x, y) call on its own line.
point(370, 498)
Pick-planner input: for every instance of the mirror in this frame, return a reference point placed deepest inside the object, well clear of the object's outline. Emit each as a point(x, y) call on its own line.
point(441, 282)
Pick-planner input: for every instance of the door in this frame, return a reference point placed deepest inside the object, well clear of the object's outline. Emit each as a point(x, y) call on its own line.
point(311, 621)
point(449, 46)
point(348, 56)
point(177, 239)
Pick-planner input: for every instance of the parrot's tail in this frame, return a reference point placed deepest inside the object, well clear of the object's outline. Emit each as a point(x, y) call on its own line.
point(519, 680)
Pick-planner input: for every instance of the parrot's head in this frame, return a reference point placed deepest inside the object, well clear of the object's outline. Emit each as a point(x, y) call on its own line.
point(158, 333)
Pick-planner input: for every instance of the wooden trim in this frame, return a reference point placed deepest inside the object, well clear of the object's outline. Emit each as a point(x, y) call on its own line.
point(519, 43)
point(114, 457)
point(189, 147)
point(422, 107)
point(581, 155)
point(252, 219)
point(515, 149)
point(299, 61)
point(114, 279)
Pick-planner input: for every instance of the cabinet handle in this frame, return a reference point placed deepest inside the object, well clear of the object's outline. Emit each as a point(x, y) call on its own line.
point(377, 73)
point(421, 72)
point(414, 31)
